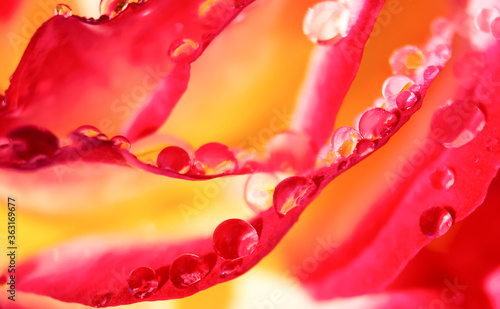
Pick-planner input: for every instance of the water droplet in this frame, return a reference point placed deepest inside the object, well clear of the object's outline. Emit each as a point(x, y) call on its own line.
point(230, 267)
point(442, 178)
point(495, 28)
point(327, 22)
point(430, 74)
point(441, 27)
point(457, 123)
point(484, 18)
point(344, 140)
point(327, 156)
point(187, 270)
point(29, 142)
point(234, 238)
point(365, 147)
point(436, 221)
point(112, 8)
point(142, 282)
point(63, 10)
point(443, 52)
point(395, 85)
point(121, 142)
point(376, 123)
point(259, 190)
point(102, 137)
point(290, 193)
point(286, 158)
point(213, 159)
point(175, 159)
point(406, 59)
point(101, 300)
point(407, 99)
point(184, 51)
point(213, 12)
point(88, 131)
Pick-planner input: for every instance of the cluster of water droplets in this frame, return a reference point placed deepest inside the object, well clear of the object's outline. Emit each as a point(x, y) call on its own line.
point(487, 20)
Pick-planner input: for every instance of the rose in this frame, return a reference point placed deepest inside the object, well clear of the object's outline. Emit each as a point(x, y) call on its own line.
point(397, 183)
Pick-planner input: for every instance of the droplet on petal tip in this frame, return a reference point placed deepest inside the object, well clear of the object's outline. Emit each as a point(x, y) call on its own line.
point(436, 221)
point(327, 22)
point(234, 238)
point(290, 193)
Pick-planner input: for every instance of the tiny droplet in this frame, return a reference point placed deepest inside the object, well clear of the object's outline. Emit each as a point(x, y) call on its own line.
point(290, 193)
point(230, 267)
point(365, 147)
point(407, 99)
point(63, 10)
point(436, 221)
point(327, 22)
point(142, 282)
point(121, 142)
point(184, 51)
point(101, 300)
point(234, 238)
point(442, 178)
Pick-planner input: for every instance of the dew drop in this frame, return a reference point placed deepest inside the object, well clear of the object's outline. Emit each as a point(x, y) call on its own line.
point(407, 99)
point(300, 157)
point(234, 238)
point(442, 178)
point(175, 159)
point(436, 221)
point(327, 22)
point(214, 159)
point(112, 8)
point(230, 267)
point(184, 51)
point(121, 142)
point(327, 156)
point(63, 10)
point(457, 123)
point(344, 140)
point(430, 74)
point(406, 59)
point(394, 85)
point(88, 131)
point(213, 12)
point(188, 269)
point(495, 28)
point(259, 190)
point(290, 193)
point(142, 282)
point(101, 300)
point(484, 18)
point(365, 147)
point(29, 142)
point(376, 123)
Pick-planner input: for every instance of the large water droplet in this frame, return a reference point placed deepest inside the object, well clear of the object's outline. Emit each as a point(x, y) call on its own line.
point(63, 10)
point(230, 267)
point(101, 300)
point(407, 99)
point(175, 159)
point(187, 270)
point(259, 190)
point(213, 12)
point(290, 193)
point(142, 282)
point(121, 142)
point(495, 28)
point(344, 140)
point(484, 18)
point(300, 157)
point(327, 22)
point(406, 59)
point(376, 123)
point(395, 85)
point(234, 238)
point(436, 221)
point(457, 123)
point(213, 159)
point(184, 51)
point(442, 178)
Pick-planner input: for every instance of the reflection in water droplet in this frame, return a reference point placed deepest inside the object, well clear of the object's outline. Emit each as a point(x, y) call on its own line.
point(213, 159)
point(436, 221)
point(175, 159)
point(230, 267)
point(327, 22)
point(63, 10)
point(495, 28)
point(142, 282)
point(121, 142)
point(484, 18)
point(184, 51)
point(259, 190)
point(394, 85)
point(101, 300)
point(290, 193)
point(187, 270)
point(365, 147)
point(344, 140)
point(376, 123)
point(406, 59)
point(442, 178)
point(234, 238)
point(407, 99)
point(457, 123)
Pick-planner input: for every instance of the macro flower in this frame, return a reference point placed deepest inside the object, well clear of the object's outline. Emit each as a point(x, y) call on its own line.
point(163, 149)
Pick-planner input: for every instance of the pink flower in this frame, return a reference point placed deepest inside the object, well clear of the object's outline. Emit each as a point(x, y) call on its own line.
point(81, 83)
